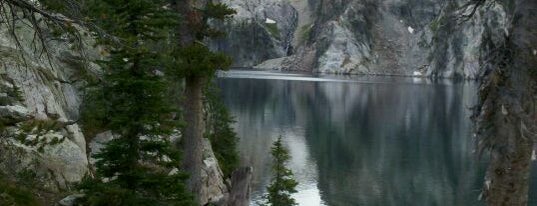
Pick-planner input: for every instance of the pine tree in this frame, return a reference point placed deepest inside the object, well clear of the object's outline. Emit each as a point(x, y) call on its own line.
point(220, 132)
point(196, 64)
point(283, 184)
point(15, 194)
point(140, 167)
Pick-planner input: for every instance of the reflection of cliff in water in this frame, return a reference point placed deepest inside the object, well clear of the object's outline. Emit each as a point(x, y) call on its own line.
point(366, 143)
point(396, 145)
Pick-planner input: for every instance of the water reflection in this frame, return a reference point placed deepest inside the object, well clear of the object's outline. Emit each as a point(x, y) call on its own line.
point(368, 141)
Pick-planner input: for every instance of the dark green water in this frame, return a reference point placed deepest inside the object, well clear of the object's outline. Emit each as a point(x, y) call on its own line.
point(360, 141)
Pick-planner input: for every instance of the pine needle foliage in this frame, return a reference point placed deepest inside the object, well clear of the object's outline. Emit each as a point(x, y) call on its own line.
point(196, 59)
point(215, 11)
point(223, 138)
point(14, 194)
point(140, 166)
point(283, 185)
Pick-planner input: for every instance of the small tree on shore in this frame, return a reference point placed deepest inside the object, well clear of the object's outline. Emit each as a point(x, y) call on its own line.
point(283, 184)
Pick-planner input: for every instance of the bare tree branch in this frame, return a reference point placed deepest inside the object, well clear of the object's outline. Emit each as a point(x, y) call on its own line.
point(16, 12)
point(23, 4)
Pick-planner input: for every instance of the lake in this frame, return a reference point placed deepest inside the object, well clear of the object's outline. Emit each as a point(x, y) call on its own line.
point(359, 140)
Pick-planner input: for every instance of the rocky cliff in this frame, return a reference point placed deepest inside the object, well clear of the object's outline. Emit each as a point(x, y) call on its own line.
point(388, 37)
point(40, 96)
point(260, 30)
point(42, 143)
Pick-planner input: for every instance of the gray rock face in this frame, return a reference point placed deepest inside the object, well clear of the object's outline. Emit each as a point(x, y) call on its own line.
point(458, 48)
point(213, 188)
point(391, 37)
point(14, 113)
point(40, 107)
point(97, 144)
point(70, 200)
point(261, 30)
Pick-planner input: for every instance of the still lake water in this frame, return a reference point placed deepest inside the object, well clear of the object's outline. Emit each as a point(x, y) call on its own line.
point(359, 140)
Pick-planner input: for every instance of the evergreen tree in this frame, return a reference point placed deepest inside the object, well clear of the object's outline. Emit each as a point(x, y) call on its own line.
point(283, 184)
point(196, 64)
point(15, 194)
point(219, 131)
point(140, 167)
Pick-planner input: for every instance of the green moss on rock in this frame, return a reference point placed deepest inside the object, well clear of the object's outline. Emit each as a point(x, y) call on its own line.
point(274, 31)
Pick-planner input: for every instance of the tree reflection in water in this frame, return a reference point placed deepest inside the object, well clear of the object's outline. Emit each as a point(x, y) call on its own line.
point(378, 141)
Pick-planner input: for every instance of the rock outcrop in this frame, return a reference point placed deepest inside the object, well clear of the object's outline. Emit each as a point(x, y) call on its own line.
point(389, 37)
point(214, 190)
point(39, 100)
point(261, 30)
point(459, 46)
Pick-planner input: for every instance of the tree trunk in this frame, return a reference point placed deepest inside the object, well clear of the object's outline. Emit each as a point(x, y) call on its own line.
point(240, 188)
point(508, 175)
point(507, 178)
point(184, 8)
point(193, 108)
point(193, 146)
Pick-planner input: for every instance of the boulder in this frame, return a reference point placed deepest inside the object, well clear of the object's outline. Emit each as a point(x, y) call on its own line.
point(70, 200)
point(13, 114)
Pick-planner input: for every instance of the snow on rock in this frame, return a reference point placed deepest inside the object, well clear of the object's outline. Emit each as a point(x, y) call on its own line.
point(269, 21)
point(410, 29)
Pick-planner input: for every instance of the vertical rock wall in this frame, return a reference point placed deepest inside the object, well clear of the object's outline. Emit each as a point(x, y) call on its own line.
point(40, 98)
point(261, 30)
point(389, 37)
